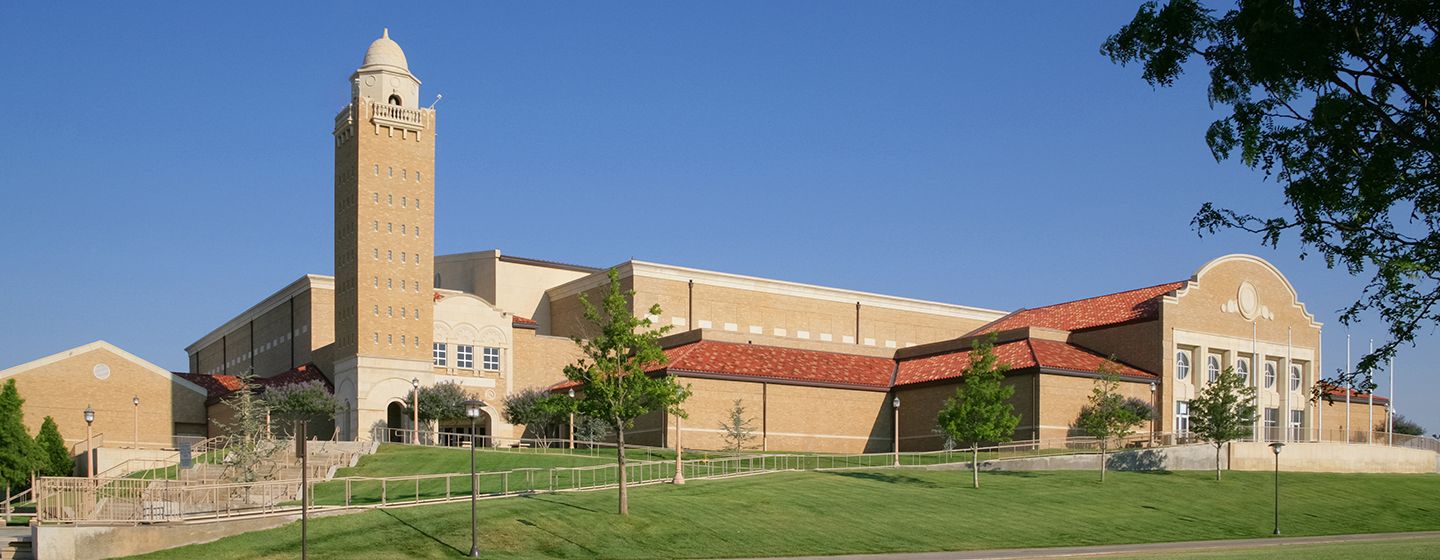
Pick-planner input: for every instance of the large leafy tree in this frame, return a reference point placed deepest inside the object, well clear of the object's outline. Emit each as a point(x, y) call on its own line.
point(980, 411)
point(1339, 102)
point(18, 453)
point(537, 410)
point(611, 370)
point(1108, 415)
point(306, 400)
point(1223, 412)
point(54, 458)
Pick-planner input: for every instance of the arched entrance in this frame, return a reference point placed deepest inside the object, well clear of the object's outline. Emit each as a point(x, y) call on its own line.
point(395, 420)
point(455, 432)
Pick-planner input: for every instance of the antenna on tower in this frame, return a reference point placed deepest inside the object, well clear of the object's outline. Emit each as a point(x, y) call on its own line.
point(437, 100)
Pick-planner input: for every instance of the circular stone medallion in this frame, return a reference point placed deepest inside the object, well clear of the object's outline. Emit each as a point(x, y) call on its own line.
point(1249, 300)
point(101, 371)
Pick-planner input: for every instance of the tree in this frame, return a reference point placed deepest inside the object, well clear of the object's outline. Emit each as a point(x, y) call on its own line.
point(1339, 102)
point(1223, 412)
point(1405, 426)
point(441, 401)
point(592, 429)
point(294, 402)
point(18, 452)
point(738, 431)
point(611, 370)
point(250, 443)
point(54, 457)
point(1107, 416)
point(980, 411)
point(537, 409)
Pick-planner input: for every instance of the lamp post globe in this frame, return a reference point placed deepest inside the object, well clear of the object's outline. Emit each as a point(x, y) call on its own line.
point(89, 415)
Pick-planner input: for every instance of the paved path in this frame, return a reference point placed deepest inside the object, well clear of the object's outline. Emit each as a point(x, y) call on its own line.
point(1122, 549)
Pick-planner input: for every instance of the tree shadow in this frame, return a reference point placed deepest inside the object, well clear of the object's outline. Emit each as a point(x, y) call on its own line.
point(887, 478)
point(542, 498)
point(422, 532)
point(1015, 474)
point(1148, 460)
point(532, 524)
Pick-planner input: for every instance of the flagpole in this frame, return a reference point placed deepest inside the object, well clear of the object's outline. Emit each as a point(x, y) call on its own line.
point(1349, 386)
point(1370, 407)
point(1390, 416)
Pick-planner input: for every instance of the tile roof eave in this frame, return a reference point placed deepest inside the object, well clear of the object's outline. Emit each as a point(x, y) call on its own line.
point(1027, 370)
point(1147, 378)
point(682, 372)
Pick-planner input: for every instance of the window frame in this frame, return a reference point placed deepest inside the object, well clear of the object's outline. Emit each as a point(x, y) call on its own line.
point(490, 358)
point(1271, 375)
point(439, 354)
point(465, 356)
point(1182, 418)
point(1182, 364)
point(1242, 367)
point(1297, 375)
point(1212, 368)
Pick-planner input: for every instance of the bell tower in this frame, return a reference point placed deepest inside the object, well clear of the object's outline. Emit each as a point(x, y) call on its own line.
point(384, 234)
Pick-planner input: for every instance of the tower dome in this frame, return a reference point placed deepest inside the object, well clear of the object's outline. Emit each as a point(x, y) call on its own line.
point(385, 52)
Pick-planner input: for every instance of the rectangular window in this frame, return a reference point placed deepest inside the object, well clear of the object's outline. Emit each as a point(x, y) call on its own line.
point(439, 353)
point(492, 359)
point(1297, 418)
point(464, 356)
point(1182, 418)
point(1272, 424)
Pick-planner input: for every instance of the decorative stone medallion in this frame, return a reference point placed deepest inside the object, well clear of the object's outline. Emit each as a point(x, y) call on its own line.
point(101, 371)
point(1249, 300)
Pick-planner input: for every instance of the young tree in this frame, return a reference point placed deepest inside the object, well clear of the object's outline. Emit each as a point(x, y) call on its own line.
point(980, 411)
point(1405, 426)
point(611, 370)
point(1223, 412)
point(537, 409)
point(738, 431)
point(1107, 416)
point(18, 453)
point(307, 400)
point(441, 401)
point(250, 444)
point(1338, 101)
point(591, 429)
point(54, 457)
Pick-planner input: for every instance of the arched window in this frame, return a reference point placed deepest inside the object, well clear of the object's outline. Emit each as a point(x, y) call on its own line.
point(1294, 378)
point(1212, 368)
point(1182, 364)
point(1269, 374)
point(395, 100)
point(1242, 367)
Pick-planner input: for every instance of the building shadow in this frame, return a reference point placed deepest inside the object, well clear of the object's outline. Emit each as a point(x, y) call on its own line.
point(887, 478)
point(422, 532)
point(542, 498)
point(532, 524)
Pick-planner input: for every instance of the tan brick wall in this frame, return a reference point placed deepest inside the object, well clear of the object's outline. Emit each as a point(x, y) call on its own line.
point(380, 201)
point(289, 325)
point(920, 411)
point(1137, 344)
point(540, 360)
point(62, 389)
point(1062, 397)
point(567, 314)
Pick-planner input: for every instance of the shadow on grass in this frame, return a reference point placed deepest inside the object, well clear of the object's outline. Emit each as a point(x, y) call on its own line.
point(422, 532)
point(1014, 474)
point(532, 524)
point(541, 498)
point(886, 478)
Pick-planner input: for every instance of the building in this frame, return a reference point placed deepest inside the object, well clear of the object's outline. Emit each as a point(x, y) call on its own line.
point(819, 367)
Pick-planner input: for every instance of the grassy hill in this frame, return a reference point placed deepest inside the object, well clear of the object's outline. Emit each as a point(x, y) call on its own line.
point(864, 511)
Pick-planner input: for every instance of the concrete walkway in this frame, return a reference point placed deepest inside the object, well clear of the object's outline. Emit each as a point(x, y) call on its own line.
point(1147, 549)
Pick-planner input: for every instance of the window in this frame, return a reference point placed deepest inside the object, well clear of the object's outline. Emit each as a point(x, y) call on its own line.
point(389, 255)
point(389, 311)
point(402, 226)
point(417, 176)
point(1182, 417)
point(464, 356)
point(492, 359)
point(377, 311)
point(375, 225)
point(438, 353)
point(389, 227)
point(390, 171)
point(389, 339)
point(376, 281)
point(402, 284)
point(1182, 364)
point(377, 195)
point(402, 340)
point(390, 199)
point(1242, 367)
point(389, 283)
point(402, 313)
point(1269, 374)
point(402, 199)
point(1294, 378)
point(1272, 424)
point(402, 256)
point(376, 253)
point(377, 174)
point(1297, 419)
point(395, 99)
point(1212, 368)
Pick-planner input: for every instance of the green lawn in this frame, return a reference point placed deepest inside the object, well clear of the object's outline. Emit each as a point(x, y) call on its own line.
point(1407, 549)
point(866, 512)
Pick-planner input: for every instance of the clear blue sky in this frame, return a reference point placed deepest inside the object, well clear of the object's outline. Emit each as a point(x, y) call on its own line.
point(165, 167)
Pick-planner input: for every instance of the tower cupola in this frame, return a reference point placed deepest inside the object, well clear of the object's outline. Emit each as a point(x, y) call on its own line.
point(384, 75)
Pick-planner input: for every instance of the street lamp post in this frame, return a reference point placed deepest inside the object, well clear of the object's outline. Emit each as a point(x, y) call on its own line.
point(679, 467)
point(415, 409)
point(896, 406)
point(1276, 448)
point(572, 418)
point(89, 453)
point(472, 410)
point(1154, 418)
point(136, 402)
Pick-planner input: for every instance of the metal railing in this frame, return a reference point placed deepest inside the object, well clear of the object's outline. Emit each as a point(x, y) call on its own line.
point(17, 505)
point(161, 465)
point(432, 438)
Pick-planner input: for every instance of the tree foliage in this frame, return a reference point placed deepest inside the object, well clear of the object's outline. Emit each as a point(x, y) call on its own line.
point(1405, 426)
point(441, 401)
point(611, 369)
point(738, 431)
point(538, 410)
point(1108, 416)
point(1223, 412)
point(249, 447)
point(306, 400)
point(18, 453)
point(980, 411)
point(54, 458)
point(1339, 102)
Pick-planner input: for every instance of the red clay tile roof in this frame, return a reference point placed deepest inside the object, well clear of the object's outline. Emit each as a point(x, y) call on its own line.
point(781, 364)
point(526, 322)
point(219, 386)
point(1356, 397)
point(1018, 354)
point(1123, 307)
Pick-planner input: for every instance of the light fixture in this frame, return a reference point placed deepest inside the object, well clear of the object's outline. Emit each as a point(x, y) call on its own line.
point(896, 402)
point(572, 392)
point(415, 383)
point(472, 408)
point(89, 414)
point(136, 400)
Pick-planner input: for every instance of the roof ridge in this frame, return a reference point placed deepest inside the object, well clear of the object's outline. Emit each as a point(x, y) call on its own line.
point(1111, 294)
point(789, 348)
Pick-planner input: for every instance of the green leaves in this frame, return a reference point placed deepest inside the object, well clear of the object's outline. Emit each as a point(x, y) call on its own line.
point(1224, 410)
point(18, 453)
point(1109, 415)
point(980, 411)
point(1339, 102)
point(54, 457)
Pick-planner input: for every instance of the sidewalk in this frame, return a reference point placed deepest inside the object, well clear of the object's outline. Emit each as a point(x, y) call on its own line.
point(1121, 549)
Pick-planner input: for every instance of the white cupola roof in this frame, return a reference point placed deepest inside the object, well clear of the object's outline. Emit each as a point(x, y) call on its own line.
point(385, 52)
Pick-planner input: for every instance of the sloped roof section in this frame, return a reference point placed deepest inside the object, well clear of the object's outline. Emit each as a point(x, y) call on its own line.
point(780, 364)
point(1018, 354)
point(1101, 311)
point(220, 386)
point(523, 322)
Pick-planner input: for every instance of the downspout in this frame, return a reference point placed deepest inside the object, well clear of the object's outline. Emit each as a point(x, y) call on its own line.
point(690, 303)
point(857, 322)
point(764, 416)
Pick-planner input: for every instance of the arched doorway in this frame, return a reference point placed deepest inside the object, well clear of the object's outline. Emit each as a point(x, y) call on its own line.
point(455, 432)
point(395, 420)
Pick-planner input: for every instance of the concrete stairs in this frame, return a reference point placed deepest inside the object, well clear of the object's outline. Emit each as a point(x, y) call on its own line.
point(15, 544)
